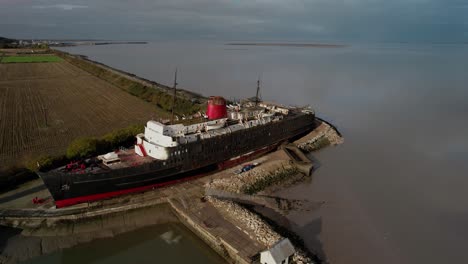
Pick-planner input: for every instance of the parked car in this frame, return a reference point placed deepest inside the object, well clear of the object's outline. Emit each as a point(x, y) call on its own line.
point(246, 167)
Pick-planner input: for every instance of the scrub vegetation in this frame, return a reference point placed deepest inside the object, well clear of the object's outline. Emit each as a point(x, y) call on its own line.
point(88, 146)
point(6, 42)
point(85, 147)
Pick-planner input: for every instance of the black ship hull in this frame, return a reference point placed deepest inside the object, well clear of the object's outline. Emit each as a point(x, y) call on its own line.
point(185, 161)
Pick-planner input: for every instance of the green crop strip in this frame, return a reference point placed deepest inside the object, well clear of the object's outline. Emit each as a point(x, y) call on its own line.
point(28, 59)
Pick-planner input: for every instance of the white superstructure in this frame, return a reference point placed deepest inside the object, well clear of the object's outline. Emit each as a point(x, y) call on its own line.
point(158, 138)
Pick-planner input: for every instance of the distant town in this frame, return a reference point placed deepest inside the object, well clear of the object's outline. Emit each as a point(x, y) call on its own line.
point(45, 43)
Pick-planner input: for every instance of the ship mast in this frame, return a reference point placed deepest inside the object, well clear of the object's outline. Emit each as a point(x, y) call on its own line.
point(257, 99)
point(174, 96)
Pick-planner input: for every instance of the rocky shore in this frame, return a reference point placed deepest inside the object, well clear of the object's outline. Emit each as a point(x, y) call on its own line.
point(321, 137)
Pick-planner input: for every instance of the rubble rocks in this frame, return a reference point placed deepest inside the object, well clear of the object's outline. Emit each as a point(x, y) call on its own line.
point(252, 224)
point(236, 183)
point(300, 257)
point(326, 135)
point(253, 181)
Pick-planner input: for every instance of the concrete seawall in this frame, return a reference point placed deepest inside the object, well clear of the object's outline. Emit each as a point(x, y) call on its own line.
point(51, 234)
point(221, 243)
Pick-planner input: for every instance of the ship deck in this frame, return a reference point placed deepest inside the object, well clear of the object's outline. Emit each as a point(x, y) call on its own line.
point(128, 158)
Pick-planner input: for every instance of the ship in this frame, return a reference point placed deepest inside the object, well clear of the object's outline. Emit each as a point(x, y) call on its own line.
point(166, 153)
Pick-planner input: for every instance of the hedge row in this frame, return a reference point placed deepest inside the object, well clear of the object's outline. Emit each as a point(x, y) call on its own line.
point(163, 99)
point(89, 146)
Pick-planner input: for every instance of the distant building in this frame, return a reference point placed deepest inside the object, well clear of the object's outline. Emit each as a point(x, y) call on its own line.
point(279, 253)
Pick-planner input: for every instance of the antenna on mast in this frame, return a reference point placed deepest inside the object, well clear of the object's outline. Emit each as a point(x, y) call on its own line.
point(174, 96)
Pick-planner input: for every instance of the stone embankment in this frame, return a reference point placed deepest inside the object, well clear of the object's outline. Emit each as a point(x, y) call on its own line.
point(321, 137)
point(251, 224)
point(238, 182)
point(254, 226)
point(254, 180)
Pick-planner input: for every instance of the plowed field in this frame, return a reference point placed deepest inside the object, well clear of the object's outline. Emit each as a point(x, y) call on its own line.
point(44, 106)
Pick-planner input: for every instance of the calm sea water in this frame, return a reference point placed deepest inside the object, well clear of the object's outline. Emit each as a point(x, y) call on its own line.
point(396, 190)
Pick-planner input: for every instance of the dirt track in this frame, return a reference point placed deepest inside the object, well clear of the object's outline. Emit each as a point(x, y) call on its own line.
point(43, 106)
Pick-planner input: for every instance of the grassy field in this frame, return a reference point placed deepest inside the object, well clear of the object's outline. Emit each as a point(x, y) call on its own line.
point(44, 106)
point(29, 59)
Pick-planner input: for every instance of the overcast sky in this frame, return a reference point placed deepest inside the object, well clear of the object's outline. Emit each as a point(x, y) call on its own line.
point(307, 20)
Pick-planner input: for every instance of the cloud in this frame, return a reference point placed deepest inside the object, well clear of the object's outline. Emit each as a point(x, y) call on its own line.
point(314, 20)
point(61, 6)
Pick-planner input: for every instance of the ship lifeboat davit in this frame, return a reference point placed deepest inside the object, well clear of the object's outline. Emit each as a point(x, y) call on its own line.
point(216, 108)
